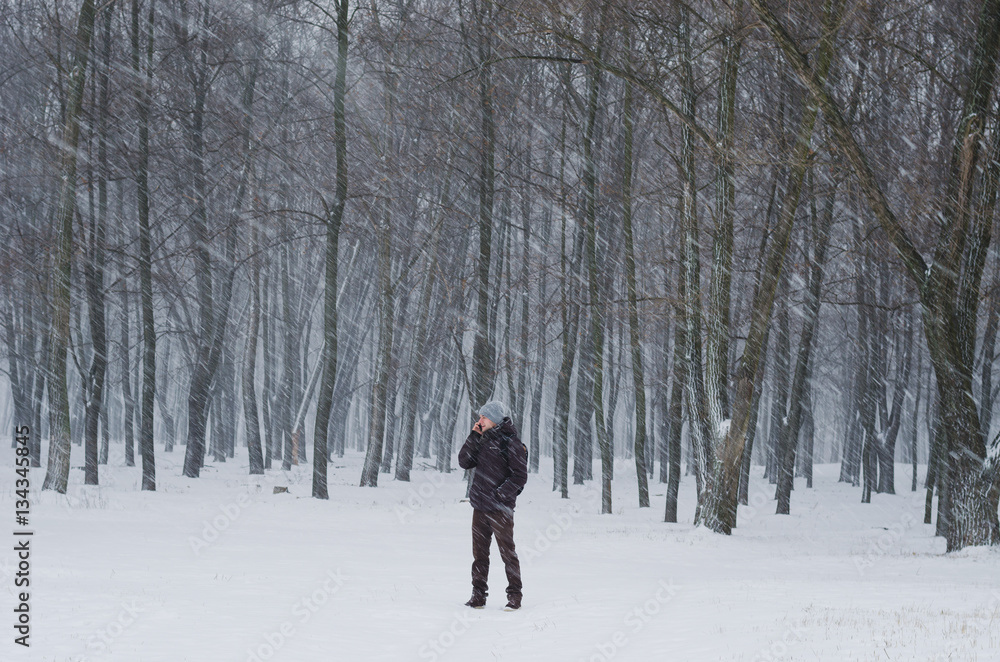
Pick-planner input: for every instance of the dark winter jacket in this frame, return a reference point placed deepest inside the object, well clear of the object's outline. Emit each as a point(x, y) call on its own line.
point(497, 480)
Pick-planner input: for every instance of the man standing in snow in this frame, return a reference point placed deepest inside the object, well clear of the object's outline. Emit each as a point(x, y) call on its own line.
point(495, 451)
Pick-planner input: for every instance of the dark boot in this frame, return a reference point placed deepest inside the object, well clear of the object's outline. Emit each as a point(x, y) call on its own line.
point(513, 602)
point(477, 601)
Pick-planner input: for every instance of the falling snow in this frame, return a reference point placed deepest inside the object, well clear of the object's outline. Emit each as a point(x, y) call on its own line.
point(730, 268)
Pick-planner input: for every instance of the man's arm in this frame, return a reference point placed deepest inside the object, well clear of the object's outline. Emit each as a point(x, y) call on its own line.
point(517, 458)
point(468, 457)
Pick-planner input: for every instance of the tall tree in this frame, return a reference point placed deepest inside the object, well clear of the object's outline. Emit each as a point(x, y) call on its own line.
point(383, 357)
point(143, 93)
point(570, 318)
point(478, 39)
point(94, 268)
point(728, 459)
point(249, 381)
point(211, 321)
point(57, 472)
point(635, 344)
point(678, 387)
point(720, 289)
point(597, 320)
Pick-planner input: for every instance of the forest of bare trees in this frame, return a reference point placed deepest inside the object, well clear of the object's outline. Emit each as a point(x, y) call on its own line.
point(710, 238)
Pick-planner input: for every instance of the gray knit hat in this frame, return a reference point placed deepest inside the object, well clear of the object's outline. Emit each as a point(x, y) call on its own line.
point(493, 410)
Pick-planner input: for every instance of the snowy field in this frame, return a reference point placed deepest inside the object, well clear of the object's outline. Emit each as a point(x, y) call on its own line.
point(221, 569)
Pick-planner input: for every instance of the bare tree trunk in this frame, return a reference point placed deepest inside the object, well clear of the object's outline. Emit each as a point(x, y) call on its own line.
point(678, 387)
point(989, 356)
point(222, 410)
point(94, 277)
point(380, 383)
point(915, 418)
point(942, 477)
point(484, 349)
point(199, 392)
point(933, 450)
point(560, 432)
point(570, 313)
point(747, 455)
point(582, 429)
point(790, 429)
point(127, 394)
point(535, 444)
point(987, 207)
point(335, 215)
point(858, 430)
point(94, 273)
point(661, 401)
point(638, 376)
point(541, 358)
point(720, 294)
point(730, 456)
point(206, 359)
point(985, 216)
point(451, 408)
point(250, 418)
point(867, 391)
point(808, 432)
point(267, 356)
point(520, 395)
point(597, 311)
point(887, 467)
point(289, 355)
point(57, 472)
point(744, 494)
point(18, 323)
point(699, 409)
point(779, 393)
point(41, 382)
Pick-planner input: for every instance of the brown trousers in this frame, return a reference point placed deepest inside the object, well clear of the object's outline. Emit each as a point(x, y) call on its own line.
point(486, 524)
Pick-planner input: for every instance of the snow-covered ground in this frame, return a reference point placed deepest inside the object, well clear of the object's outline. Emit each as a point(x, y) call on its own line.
point(221, 569)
